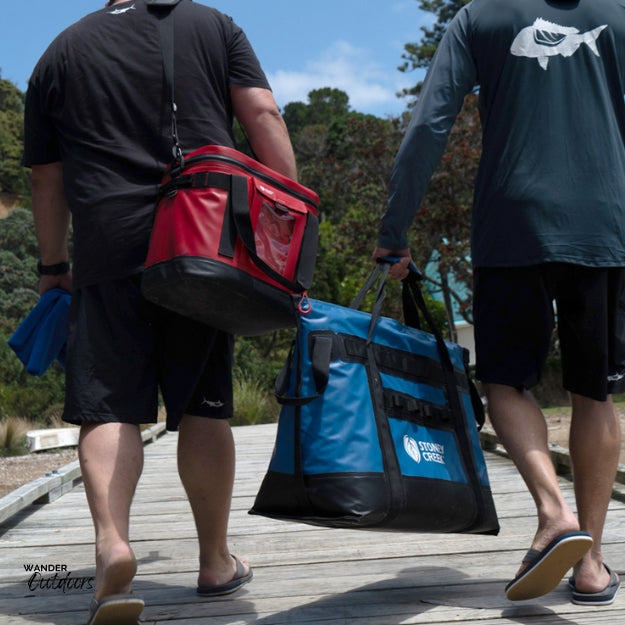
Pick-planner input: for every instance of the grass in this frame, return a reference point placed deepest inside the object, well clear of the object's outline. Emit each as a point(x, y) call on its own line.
point(253, 404)
point(13, 436)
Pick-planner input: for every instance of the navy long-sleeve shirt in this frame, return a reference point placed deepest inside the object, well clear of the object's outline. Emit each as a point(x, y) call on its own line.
point(551, 180)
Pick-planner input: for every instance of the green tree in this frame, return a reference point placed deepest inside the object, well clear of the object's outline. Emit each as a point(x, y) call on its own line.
point(442, 225)
point(21, 394)
point(419, 54)
point(13, 178)
point(346, 157)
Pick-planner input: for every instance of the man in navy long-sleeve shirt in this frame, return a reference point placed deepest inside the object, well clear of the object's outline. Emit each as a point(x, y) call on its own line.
point(548, 224)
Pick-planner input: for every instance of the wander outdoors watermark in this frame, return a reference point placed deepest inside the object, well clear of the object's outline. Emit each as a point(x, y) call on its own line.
point(56, 577)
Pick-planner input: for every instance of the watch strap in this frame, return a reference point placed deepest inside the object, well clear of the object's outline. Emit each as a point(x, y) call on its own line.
point(52, 270)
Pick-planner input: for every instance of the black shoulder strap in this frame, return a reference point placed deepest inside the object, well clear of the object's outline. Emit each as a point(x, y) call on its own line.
point(166, 31)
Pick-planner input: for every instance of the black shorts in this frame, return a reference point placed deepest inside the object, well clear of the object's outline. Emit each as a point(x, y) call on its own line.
point(514, 317)
point(121, 350)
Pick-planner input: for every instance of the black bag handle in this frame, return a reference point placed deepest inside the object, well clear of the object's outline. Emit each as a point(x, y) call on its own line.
point(320, 349)
point(414, 301)
point(413, 304)
point(320, 358)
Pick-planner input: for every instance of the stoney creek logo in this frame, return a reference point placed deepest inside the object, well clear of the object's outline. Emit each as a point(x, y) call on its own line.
point(55, 577)
point(424, 450)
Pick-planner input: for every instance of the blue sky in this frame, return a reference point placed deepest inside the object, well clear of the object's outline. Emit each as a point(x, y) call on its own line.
point(353, 45)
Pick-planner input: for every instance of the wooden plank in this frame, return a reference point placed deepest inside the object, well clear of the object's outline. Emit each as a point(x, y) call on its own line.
point(303, 574)
point(56, 483)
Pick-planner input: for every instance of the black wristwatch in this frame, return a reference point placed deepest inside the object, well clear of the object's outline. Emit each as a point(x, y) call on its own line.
point(52, 270)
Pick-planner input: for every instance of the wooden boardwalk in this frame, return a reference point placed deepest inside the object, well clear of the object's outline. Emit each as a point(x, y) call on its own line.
point(303, 575)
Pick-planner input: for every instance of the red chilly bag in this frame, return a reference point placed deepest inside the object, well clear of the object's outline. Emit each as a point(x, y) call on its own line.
point(234, 243)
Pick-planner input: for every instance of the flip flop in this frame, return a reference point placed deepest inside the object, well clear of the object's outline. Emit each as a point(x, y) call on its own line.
point(547, 567)
point(116, 610)
point(240, 579)
point(602, 597)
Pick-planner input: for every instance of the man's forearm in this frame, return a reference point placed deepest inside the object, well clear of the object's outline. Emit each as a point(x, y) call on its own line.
point(50, 213)
point(272, 145)
point(257, 111)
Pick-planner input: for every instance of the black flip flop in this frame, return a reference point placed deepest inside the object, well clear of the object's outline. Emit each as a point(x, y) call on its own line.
point(602, 597)
point(240, 579)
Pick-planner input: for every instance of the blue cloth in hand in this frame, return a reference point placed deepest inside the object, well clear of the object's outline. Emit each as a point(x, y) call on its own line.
point(40, 338)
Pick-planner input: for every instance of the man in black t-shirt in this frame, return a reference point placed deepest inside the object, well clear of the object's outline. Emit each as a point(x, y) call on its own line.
point(98, 138)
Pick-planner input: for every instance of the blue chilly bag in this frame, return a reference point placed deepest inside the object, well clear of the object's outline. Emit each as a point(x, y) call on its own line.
point(379, 424)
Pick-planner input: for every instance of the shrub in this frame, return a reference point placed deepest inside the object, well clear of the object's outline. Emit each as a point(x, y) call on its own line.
point(252, 403)
point(13, 436)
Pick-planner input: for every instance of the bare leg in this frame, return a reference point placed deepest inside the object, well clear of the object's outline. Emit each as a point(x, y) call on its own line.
point(111, 459)
point(595, 443)
point(522, 430)
point(206, 458)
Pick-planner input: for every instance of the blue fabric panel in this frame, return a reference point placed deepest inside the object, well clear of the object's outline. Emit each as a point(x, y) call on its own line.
point(282, 458)
point(337, 429)
point(422, 391)
point(426, 452)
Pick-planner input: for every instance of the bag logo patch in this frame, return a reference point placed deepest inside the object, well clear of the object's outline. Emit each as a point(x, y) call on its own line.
point(424, 450)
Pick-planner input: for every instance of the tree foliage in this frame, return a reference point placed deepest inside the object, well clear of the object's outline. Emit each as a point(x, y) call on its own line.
point(419, 54)
point(443, 224)
point(13, 178)
point(22, 395)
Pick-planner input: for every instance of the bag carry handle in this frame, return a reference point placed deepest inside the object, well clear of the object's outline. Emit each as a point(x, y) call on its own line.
point(320, 358)
point(413, 303)
point(320, 348)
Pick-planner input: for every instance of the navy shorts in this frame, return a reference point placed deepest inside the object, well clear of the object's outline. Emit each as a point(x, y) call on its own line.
point(514, 317)
point(122, 349)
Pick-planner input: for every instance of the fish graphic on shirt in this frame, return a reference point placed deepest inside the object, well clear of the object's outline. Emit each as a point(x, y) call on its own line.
point(120, 11)
point(544, 39)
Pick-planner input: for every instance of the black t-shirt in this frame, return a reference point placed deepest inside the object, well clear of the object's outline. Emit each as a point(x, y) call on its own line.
point(98, 103)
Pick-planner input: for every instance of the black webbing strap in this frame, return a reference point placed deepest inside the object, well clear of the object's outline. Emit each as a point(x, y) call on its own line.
point(166, 31)
point(420, 411)
point(465, 446)
point(197, 180)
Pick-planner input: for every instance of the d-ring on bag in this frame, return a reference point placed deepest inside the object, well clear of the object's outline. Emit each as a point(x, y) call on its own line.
point(234, 242)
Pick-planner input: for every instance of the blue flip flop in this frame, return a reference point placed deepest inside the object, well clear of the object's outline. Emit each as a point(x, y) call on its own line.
point(602, 597)
point(240, 579)
point(547, 567)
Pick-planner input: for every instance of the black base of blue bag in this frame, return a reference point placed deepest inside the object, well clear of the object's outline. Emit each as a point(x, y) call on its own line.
point(379, 425)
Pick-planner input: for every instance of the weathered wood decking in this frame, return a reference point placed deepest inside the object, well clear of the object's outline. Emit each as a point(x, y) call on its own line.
point(303, 575)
